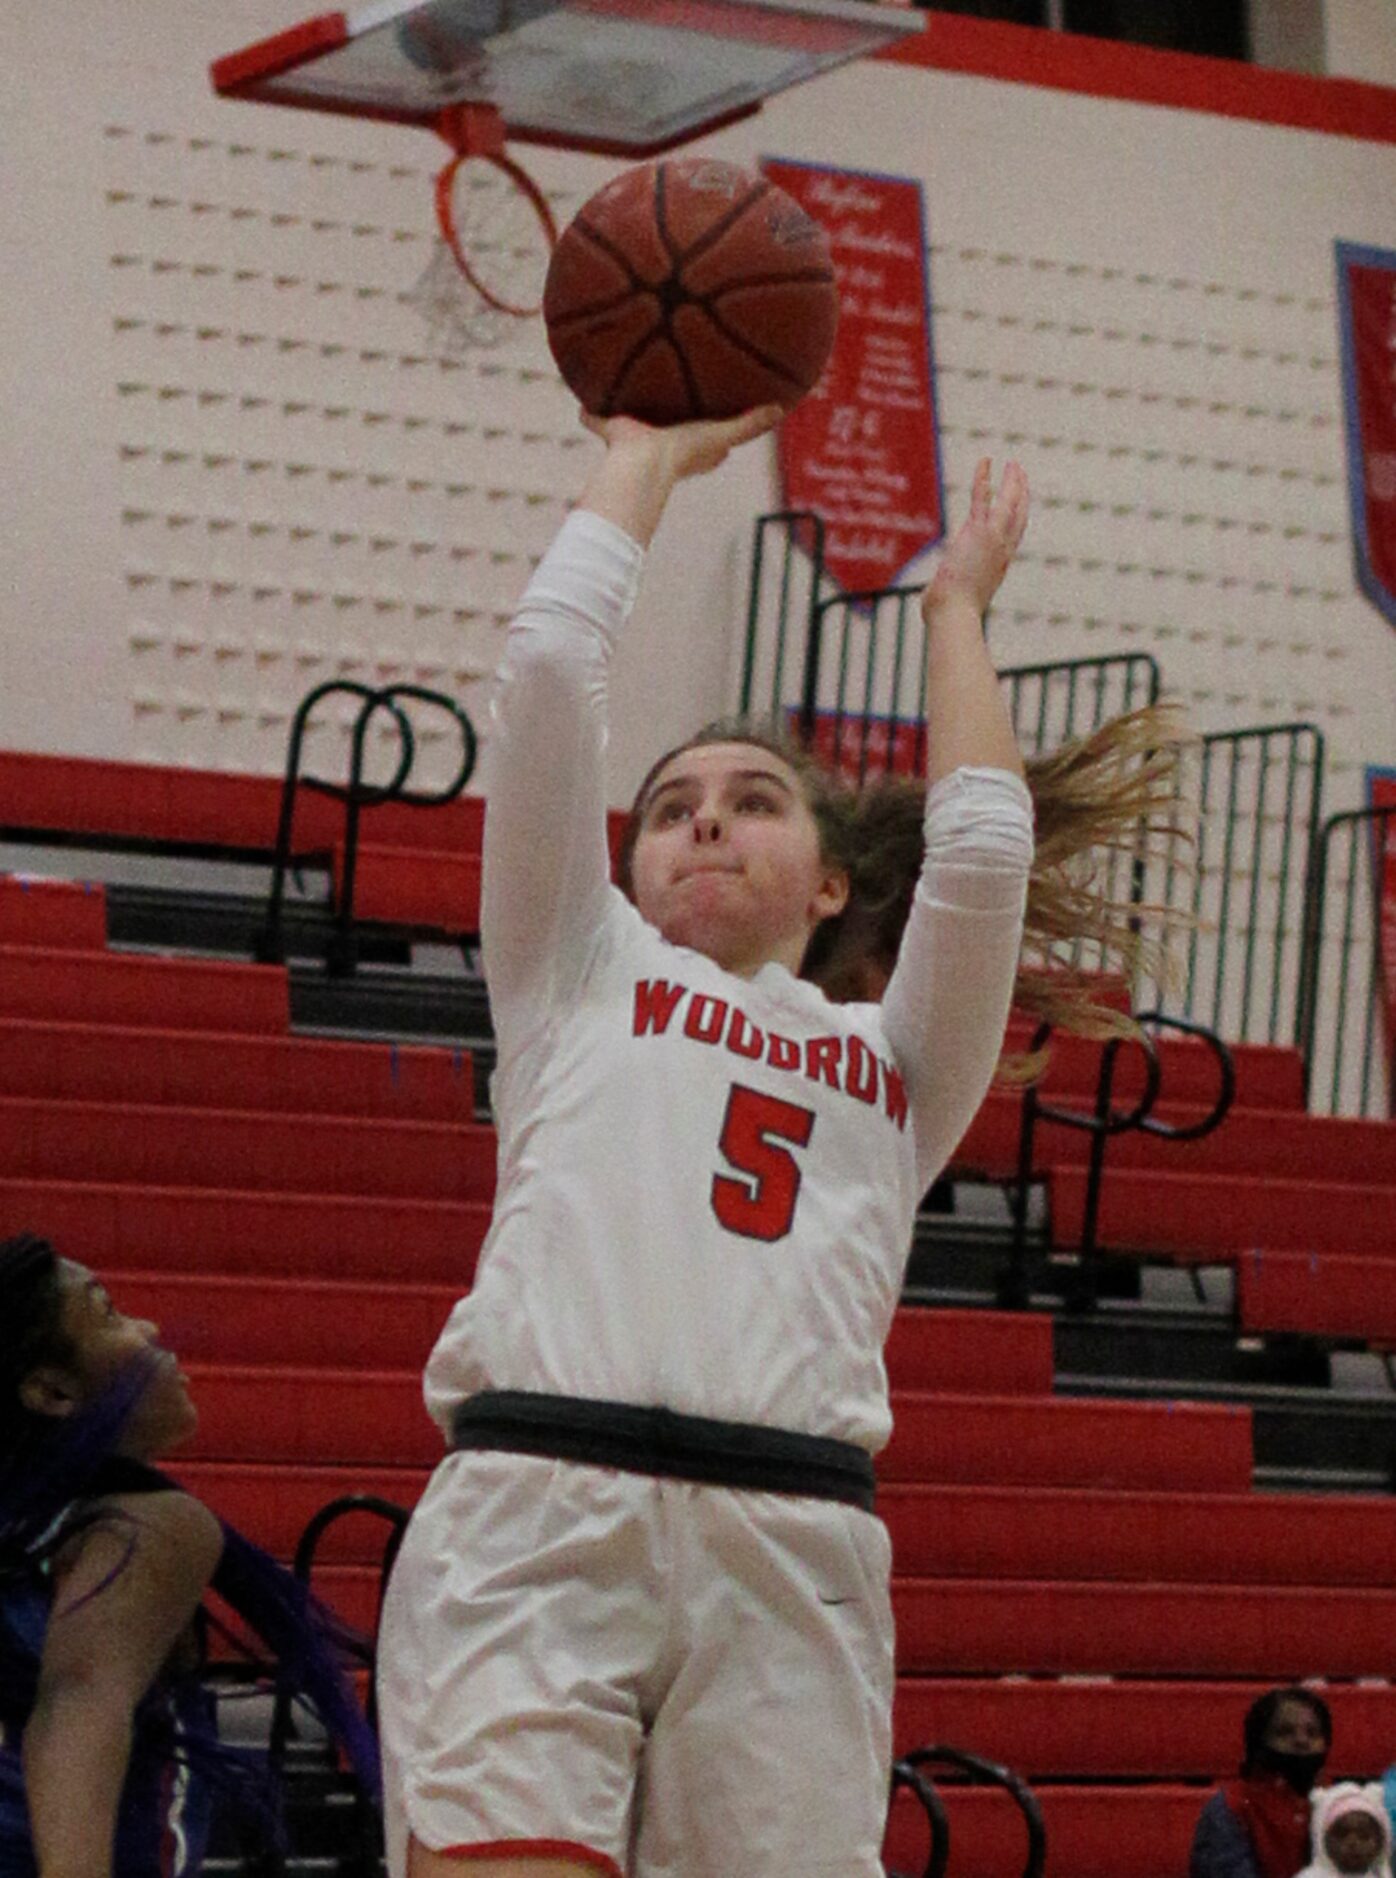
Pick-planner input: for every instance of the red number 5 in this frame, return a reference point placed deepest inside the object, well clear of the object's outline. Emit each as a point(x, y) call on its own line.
point(761, 1205)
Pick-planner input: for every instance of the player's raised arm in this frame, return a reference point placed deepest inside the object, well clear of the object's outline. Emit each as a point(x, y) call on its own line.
point(545, 862)
point(948, 1000)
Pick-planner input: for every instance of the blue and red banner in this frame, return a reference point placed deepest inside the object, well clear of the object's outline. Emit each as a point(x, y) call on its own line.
point(861, 450)
point(1367, 309)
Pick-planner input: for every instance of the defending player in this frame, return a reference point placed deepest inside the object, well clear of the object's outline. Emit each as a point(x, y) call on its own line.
point(641, 1621)
point(110, 1761)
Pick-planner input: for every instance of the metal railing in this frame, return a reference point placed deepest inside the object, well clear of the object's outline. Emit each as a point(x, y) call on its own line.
point(1345, 982)
point(356, 794)
point(1102, 1122)
point(787, 582)
point(366, 1840)
point(913, 1773)
point(1257, 793)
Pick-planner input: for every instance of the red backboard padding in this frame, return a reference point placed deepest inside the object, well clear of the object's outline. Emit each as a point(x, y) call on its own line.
point(161, 1146)
point(226, 1069)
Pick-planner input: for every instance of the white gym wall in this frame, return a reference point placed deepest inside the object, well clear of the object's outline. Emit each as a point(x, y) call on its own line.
point(236, 470)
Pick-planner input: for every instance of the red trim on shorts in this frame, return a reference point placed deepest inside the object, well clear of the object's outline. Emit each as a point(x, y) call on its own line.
point(535, 1848)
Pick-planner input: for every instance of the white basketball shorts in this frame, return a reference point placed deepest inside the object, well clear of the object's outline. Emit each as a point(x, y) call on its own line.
point(653, 1678)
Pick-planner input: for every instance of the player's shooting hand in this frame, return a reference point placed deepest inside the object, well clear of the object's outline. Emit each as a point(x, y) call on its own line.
point(681, 450)
point(982, 548)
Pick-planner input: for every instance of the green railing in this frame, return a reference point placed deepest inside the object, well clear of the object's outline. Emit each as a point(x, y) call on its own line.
point(1343, 992)
point(1257, 794)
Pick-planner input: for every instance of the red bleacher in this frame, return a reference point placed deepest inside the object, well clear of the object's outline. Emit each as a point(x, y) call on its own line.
point(1086, 1589)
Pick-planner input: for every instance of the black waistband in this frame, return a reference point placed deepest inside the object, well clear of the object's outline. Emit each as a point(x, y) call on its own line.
point(657, 1441)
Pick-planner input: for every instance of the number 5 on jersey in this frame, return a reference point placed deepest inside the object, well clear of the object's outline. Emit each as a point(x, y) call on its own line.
point(761, 1203)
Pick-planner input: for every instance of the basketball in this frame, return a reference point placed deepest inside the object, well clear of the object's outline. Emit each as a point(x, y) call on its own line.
point(687, 289)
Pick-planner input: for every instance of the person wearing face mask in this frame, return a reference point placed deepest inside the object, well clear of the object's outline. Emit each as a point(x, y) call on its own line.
point(1257, 1825)
point(1351, 1831)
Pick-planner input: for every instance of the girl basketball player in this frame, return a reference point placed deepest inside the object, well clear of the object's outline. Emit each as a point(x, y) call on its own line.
point(641, 1621)
point(110, 1761)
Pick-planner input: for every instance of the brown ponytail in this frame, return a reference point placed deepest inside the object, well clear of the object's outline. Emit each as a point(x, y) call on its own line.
point(1103, 803)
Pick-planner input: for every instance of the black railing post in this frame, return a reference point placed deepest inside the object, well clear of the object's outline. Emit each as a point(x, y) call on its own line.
point(270, 949)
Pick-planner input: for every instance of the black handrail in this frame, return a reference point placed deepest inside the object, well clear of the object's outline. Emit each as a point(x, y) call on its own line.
point(396, 1518)
point(341, 957)
point(995, 1775)
point(1226, 1080)
point(1103, 1121)
point(303, 1568)
point(356, 794)
point(923, 1790)
point(270, 949)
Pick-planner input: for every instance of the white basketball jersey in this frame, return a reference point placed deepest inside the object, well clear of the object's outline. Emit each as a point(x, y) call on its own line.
point(707, 1183)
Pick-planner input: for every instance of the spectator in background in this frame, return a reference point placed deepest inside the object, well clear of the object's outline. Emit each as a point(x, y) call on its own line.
point(1351, 1832)
point(1257, 1826)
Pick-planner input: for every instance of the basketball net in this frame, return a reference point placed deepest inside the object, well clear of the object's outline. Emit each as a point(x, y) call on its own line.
point(497, 233)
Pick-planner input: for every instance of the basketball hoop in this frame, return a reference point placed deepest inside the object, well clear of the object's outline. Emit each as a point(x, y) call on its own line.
point(621, 78)
point(497, 233)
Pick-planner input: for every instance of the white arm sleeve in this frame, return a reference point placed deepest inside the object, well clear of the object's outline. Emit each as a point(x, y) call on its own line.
point(946, 1006)
point(546, 868)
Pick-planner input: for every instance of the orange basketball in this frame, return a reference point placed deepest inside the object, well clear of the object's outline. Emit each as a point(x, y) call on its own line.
point(690, 288)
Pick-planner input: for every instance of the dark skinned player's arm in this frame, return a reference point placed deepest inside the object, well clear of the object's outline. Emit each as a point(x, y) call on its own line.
point(125, 1590)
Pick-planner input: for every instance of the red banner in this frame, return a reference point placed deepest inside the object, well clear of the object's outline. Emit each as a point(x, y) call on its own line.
point(861, 747)
point(1381, 786)
point(1367, 299)
point(861, 449)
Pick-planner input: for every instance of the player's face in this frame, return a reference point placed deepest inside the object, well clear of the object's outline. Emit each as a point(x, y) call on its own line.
point(1353, 1842)
point(103, 1341)
point(728, 860)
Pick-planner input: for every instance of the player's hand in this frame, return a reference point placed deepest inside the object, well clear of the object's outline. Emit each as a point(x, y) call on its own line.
point(681, 450)
point(982, 548)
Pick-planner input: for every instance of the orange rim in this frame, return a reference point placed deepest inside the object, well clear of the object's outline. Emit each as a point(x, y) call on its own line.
point(523, 184)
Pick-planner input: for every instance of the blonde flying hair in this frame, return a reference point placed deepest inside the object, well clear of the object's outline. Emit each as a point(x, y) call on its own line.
point(1103, 803)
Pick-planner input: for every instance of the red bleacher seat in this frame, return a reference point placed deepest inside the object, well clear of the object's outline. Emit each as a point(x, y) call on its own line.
point(1319, 1295)
point(1174, 1730)
point(130, 988)
point(391, 1324)
point(1285, 1632)
point(1066, 1442)
point(232, 1070)
point(156, 803)
point(114, 1227)
point(161, 1146)
point(1039, 1531)
point(258, 1413)
point(414, 887)
point(62, 914)
point(1213, 1217)
point(1092, 1832)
